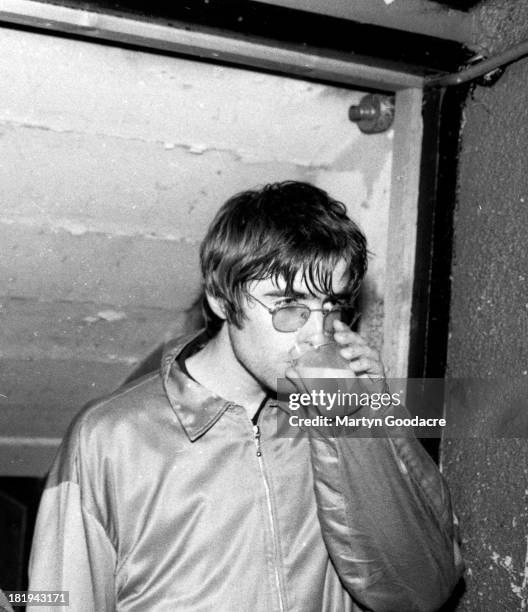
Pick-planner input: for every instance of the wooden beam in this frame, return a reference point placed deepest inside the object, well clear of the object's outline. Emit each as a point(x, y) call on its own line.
point(401, 241)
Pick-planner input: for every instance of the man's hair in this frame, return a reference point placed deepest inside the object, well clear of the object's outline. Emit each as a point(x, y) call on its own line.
point(277, 232)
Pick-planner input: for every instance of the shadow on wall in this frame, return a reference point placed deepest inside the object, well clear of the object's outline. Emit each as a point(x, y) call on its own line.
point(196, 317)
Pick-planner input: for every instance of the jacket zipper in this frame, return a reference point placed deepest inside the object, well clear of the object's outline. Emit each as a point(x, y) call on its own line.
point(256, 430)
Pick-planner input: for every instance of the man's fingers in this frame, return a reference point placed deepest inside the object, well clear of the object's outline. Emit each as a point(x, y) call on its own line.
point(371, 367)
point(340, 326)
point(357, 351)
point(363, 359)
point(362, 364)
point(349, 337)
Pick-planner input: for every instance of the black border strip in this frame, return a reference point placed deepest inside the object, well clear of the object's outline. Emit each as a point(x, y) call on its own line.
point(442, 116)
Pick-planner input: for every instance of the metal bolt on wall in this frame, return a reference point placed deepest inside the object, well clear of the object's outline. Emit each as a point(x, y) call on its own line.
point(373, 114)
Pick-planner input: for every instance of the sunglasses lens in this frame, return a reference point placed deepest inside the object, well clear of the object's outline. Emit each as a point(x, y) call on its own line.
point(290, 318)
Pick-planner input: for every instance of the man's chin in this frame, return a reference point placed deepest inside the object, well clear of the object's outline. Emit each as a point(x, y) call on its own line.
point(283, 387)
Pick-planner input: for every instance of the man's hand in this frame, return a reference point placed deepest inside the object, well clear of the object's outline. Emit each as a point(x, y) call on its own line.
point(364, 361)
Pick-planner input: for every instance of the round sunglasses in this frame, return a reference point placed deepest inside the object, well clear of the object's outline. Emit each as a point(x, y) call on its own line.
point(292, 316)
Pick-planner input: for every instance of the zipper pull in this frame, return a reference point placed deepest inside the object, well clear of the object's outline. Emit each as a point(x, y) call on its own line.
point(256, 429)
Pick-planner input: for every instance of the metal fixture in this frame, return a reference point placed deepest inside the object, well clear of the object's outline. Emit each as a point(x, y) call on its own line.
point(488, 68)
point(373, 114)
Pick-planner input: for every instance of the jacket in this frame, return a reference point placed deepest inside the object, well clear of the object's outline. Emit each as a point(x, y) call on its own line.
point(164, 498)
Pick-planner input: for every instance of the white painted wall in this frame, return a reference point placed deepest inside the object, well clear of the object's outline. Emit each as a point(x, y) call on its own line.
point(112, 163)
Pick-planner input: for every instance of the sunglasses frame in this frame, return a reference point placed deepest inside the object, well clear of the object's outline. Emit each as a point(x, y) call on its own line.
point(273, 310)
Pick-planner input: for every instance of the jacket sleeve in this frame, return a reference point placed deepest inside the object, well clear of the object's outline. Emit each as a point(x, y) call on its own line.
point(71, 550)
point(5, 606)
point(386, 518)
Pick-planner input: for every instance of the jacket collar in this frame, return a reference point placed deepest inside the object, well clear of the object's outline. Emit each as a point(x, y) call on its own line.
point(196, 407)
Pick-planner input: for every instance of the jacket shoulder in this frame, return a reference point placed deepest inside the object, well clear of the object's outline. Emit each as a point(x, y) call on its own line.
point(129, 414)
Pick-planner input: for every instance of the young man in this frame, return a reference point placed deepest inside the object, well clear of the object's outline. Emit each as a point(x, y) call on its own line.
point(177, 493)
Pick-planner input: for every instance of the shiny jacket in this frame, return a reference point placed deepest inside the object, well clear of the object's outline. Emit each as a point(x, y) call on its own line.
point(164, 498)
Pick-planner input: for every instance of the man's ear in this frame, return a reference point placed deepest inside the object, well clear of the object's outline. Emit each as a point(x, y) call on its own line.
point(217, 305)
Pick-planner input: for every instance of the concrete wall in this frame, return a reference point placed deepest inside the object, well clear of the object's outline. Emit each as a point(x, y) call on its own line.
point(112, 163)
point(488, 474)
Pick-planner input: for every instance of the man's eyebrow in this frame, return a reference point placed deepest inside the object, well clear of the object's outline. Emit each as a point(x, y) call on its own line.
point(283, 293)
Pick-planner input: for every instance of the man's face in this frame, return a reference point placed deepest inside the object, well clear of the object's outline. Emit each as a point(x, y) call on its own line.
point(258, 346)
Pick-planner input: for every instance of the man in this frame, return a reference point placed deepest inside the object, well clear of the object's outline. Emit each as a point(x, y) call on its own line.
point(177, 493)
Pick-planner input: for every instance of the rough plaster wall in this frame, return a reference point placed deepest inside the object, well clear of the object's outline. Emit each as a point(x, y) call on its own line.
point(489, 329)
point(112, 163)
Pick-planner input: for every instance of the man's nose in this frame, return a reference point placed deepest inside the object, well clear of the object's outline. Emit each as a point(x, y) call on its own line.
point(312, 333)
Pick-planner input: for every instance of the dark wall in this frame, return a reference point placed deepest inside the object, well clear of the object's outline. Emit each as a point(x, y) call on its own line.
point(489, 329)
